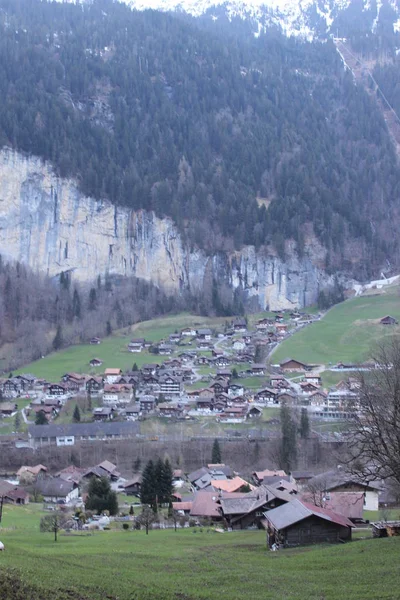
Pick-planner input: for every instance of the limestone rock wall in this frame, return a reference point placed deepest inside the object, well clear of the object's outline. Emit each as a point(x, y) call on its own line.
point(48, 224)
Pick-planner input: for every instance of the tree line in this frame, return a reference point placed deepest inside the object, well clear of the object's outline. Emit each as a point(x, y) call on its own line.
point(39, 314)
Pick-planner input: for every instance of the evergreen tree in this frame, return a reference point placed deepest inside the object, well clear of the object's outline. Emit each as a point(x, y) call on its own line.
point(101, 497)
point(216, 453)
point(135, 367)
point(108, 328)
point(58, 339)
point(92, 299)
point(166, 488)
point(235, 374)
point(41, 418)
point(76, 417)
point(288, 441)
point(304, 424)
point(148, 490)
point(131, 511)
point(159, 482)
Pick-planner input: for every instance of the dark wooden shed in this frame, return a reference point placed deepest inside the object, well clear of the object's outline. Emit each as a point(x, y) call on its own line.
point(297, 523)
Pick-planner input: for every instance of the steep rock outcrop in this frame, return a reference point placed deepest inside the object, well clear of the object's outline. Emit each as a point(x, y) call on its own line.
point(48, 224)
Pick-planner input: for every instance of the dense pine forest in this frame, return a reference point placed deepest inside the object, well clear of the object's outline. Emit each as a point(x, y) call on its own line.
point(241, 140)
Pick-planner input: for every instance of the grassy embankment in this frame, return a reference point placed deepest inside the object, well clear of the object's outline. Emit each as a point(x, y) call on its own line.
point(347, 333)
point(168, 565)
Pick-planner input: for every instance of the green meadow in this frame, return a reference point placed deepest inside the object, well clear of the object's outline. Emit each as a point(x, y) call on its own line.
point(113, 349)
point(186, 565)
point(346, 333)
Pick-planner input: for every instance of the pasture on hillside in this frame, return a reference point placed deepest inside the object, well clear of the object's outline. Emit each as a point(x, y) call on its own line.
point(347, 332)
point(113, 349)
point(187, 565)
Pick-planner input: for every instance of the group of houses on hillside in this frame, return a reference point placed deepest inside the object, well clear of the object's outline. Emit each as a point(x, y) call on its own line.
point(169, 386)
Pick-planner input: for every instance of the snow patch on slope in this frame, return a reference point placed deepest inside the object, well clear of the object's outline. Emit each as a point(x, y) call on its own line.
point(289, 15)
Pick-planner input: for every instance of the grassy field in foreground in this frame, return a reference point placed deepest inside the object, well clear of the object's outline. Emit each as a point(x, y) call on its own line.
point(113, 349)
point(183, 565)
point(346, 333)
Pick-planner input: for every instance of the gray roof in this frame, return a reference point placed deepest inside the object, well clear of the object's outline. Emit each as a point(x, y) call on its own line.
point(197, 474)
point(247, 503)
point(86, 429)
point(338, 477)
point(55, 487)
point(295, 511)
point(203, 481)
point(274, 479)
point(27, 376)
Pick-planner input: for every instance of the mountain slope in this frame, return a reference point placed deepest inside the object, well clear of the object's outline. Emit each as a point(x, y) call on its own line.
point(308, 19)
point(240, 140)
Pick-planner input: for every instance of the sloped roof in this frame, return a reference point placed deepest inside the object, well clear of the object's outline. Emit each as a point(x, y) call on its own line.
point(238, 504)
point(108, 466)
point(296, 510)
point(134, 481)
point(269, 473)
point(55, 487)
point(285, 485)
point(34, 470)
point(329, 480)
point(205, 504)
point(230, 485)
point(283, 362)
point(197, 474)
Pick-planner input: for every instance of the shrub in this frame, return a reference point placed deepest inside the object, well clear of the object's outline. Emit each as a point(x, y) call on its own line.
point(125, 526)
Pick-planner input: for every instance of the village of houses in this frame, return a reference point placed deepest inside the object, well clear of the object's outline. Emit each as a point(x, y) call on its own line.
point(195, 373)
point(294, 508)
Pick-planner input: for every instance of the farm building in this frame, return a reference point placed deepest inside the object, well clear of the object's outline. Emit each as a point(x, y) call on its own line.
point(298, 523)
point(291, 364)
point(132, 487)
point(388, 320)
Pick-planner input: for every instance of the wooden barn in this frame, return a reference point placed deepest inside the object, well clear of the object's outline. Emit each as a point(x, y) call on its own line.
point(297, 523)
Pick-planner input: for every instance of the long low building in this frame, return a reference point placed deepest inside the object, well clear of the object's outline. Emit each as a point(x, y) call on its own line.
point(70, 434)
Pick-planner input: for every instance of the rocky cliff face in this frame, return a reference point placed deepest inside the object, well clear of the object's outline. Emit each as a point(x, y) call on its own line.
point(46, 223)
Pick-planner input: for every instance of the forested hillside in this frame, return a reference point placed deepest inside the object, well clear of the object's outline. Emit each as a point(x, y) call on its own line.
point(39, 315)
point(241, 140)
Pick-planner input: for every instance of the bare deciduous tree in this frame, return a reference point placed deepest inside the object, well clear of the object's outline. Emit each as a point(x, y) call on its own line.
point(53, 523)
point(147, 518)
point(315, 491)
point(374, 449)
